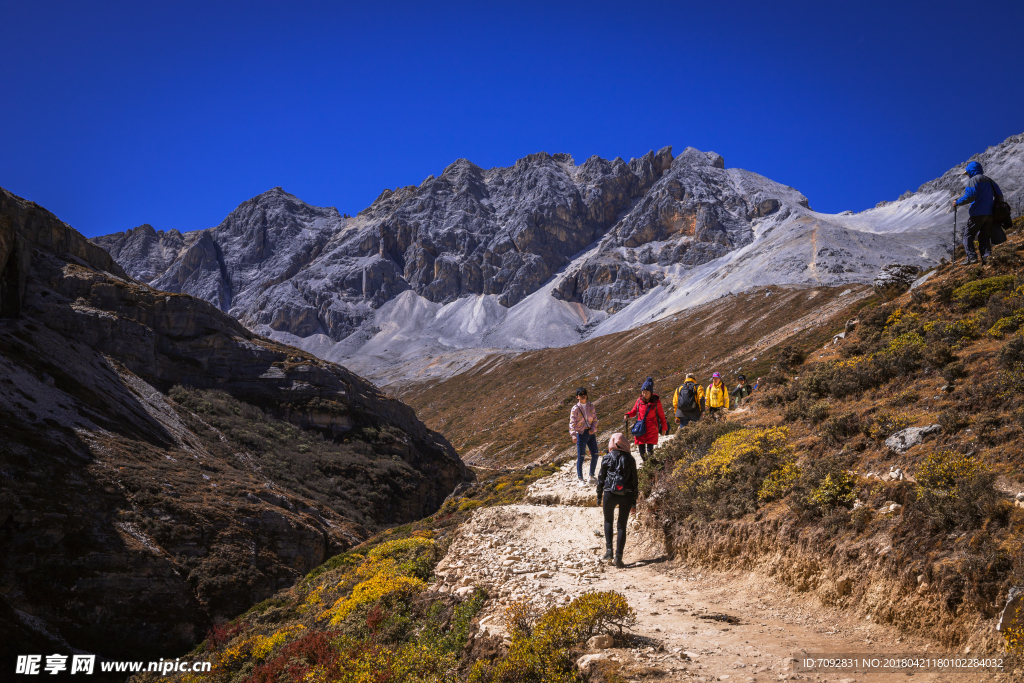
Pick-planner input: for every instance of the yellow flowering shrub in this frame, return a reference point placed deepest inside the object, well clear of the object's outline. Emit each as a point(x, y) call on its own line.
point(469, 504)
point(1006, 325)
point(886, 423)
point(958, 490)
point(854, 361)
point(540, 652)
point(1014, 636)
point(257, 647)
point(977, 292)
point(725, 482)
point(264, 645)
point(952, 331)
point(381, 586)
point(901, 320)
point(393, 571)
point(942, 472)
point(904, 341)
point(836, 489)
point(779, 482)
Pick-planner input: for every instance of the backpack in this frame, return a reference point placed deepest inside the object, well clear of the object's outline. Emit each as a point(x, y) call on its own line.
point(615, 477)
point(1002, 219)
point(687, 398)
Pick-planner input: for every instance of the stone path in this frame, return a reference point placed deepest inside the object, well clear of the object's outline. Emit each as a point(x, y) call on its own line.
point(708, 626)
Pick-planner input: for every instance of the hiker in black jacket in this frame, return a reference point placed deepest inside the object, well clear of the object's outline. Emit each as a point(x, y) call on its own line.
point(617, 487)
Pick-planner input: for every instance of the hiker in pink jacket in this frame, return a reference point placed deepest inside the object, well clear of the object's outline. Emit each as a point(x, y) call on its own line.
point(583, 430)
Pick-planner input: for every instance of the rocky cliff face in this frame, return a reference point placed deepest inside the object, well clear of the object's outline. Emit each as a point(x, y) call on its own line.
point(696, 212)
point(161, 466)
point(278, 262)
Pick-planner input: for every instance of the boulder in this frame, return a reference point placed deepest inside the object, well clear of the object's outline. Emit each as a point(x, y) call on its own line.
point(600, 642)
point(587, 662)
point(903, 440)
point(894, 280)
point(1011, 615)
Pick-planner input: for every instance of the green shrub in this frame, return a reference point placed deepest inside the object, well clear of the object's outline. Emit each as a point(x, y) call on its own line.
point(951, 331)
point(954, 371)
point(976, 293)
point(952, 420)
point(885, 424)
point(905, 398)
point(790, 356)
point(1012, 353)
point(839, 428)
point(797, 410)
point(957, 490)
point(836, 489)
point(541, 647)
point(938, 354)
point(818, 412)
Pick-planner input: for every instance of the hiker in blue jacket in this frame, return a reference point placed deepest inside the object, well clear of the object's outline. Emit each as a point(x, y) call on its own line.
point(981, 193)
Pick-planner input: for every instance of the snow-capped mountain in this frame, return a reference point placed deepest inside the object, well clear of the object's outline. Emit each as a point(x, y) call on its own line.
point(542, 253)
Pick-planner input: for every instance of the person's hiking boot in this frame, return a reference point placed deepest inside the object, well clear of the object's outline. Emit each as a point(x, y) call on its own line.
point(618, 562)
point(607, 555)
point(969, 262)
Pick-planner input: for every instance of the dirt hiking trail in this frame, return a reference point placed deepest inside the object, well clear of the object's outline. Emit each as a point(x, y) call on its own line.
point(699, 625)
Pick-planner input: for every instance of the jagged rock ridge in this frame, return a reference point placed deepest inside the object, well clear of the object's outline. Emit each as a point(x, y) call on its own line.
point(278, 262)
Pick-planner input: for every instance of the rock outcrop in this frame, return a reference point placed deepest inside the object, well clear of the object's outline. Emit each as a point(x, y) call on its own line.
point(696, 212)
point(129, 521)
point(905, 439)
point(895, 279)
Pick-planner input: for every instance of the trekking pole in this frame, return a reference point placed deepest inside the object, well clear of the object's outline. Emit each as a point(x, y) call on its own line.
point(952, 254)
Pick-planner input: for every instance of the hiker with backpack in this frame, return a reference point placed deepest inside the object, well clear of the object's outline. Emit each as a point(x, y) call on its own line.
point(688, 401)
point(617, 487)
point(583, 430)
point(651, 420)
point(716, 397)
point(986, 199)
point(741, 391)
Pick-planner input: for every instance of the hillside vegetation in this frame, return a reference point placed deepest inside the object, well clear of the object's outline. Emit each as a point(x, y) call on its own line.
point(805, 486)
point(512, 409)
point(370, 614)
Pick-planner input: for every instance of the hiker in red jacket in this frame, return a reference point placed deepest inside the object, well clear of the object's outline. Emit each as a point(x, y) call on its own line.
point(648, 406)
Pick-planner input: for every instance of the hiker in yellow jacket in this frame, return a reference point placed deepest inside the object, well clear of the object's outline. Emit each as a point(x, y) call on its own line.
point(717, 397)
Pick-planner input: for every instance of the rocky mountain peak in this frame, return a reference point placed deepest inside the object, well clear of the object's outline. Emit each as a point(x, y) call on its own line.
point(588, 239)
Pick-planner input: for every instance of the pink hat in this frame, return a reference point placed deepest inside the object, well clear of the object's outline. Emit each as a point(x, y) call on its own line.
point(716, 375)
point(618, 442)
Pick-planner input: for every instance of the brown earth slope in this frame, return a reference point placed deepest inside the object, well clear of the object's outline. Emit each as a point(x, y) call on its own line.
point(161, 467)
point(512, 409)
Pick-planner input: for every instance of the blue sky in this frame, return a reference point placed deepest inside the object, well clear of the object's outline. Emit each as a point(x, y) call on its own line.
point(116, 114)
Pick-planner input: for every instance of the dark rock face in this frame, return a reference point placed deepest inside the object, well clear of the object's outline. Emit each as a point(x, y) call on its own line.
point(893, 280)
point(128, 523)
